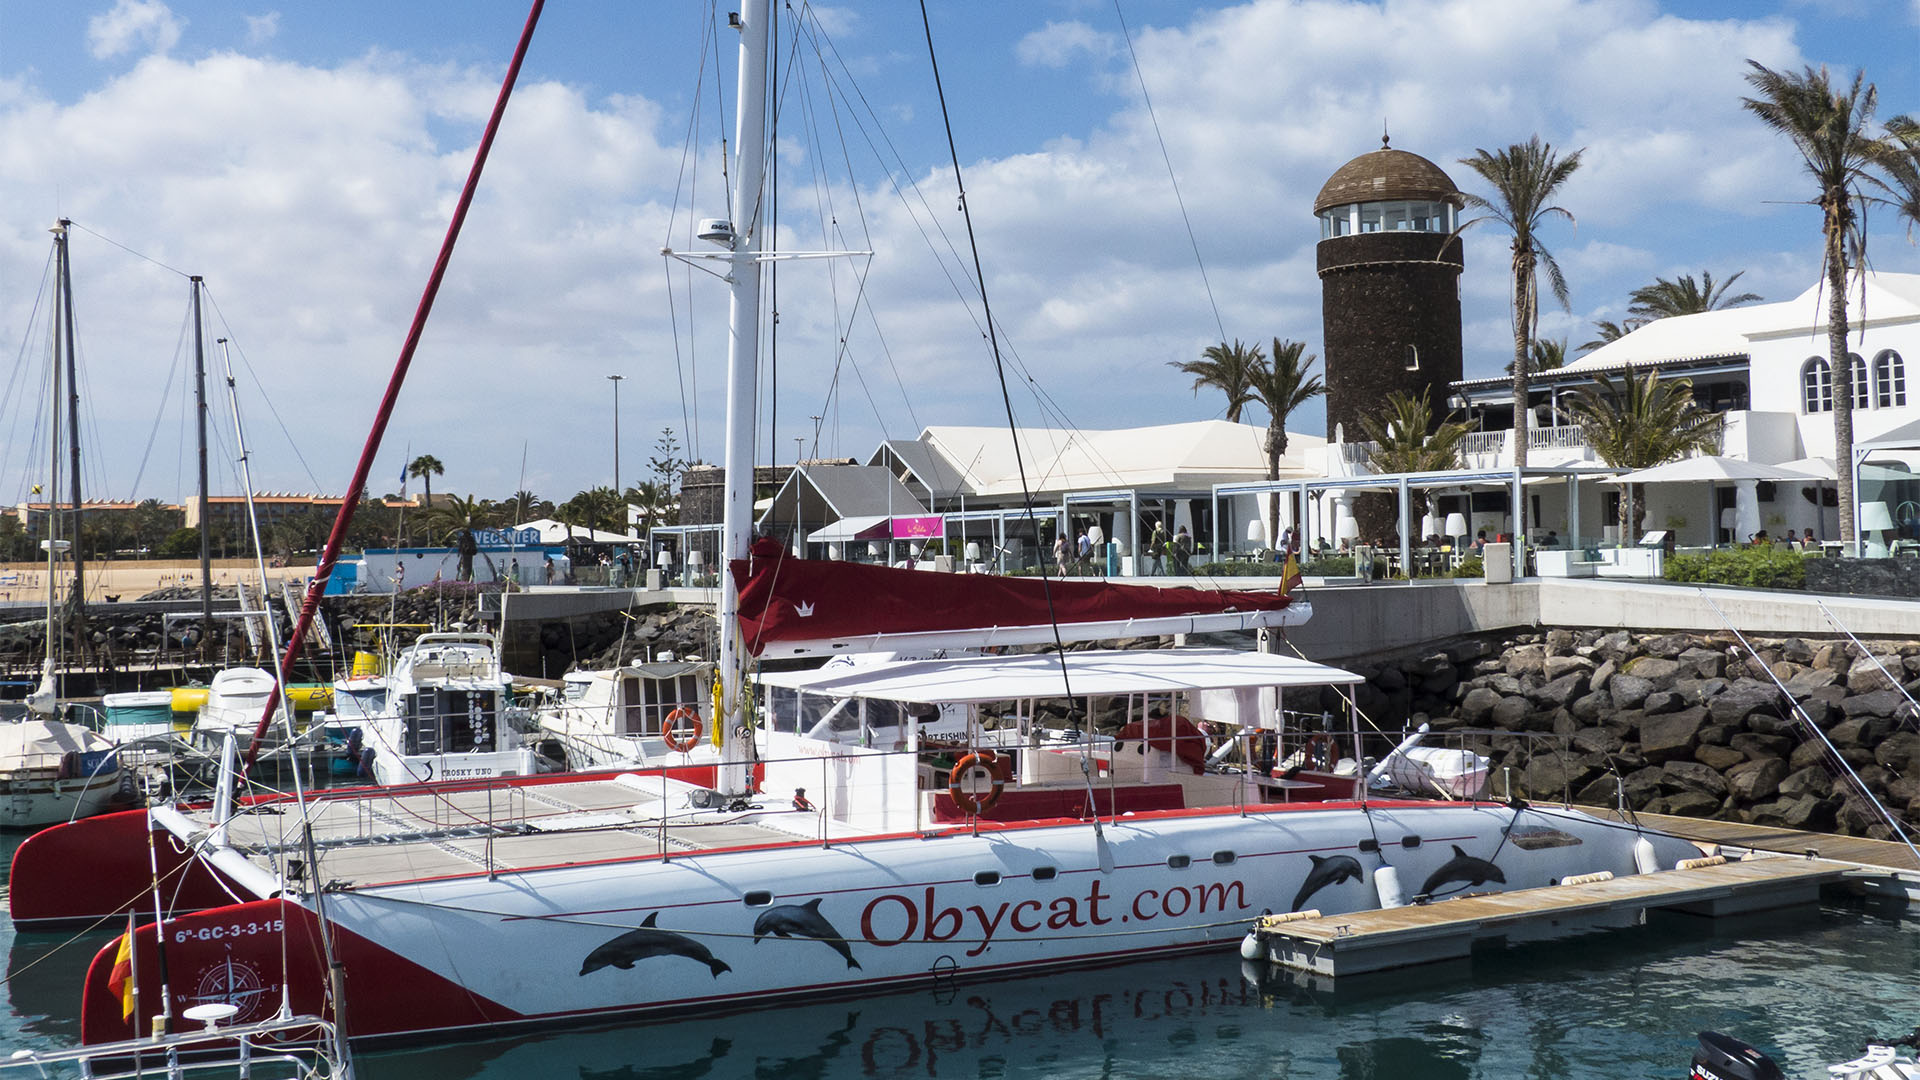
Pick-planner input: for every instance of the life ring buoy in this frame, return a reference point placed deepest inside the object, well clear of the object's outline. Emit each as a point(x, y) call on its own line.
point(976, 782)
point(681, 730)
point(1321, 755)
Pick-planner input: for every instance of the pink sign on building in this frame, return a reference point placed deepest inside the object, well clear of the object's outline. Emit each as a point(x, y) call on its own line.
point(919, 528)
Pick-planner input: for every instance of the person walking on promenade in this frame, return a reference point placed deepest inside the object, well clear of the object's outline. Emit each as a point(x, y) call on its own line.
point(1183, 552)
point(1157, 546)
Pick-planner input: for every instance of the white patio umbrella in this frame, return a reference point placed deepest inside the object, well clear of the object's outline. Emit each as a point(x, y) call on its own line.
point(1709, 469)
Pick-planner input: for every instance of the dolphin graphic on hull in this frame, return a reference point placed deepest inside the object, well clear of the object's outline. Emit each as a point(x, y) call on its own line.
point(648, 941)
point(1463, 868)
point(1326, 871)
point(802, 920)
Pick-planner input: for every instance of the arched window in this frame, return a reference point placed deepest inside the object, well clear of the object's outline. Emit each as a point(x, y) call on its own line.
point(1889, 380)
point(1816, 386)
point(1857, 369)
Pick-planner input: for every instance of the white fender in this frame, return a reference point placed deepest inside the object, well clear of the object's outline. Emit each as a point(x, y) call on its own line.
point(1645, 860)
point(1386, 882)
point(1252, 948)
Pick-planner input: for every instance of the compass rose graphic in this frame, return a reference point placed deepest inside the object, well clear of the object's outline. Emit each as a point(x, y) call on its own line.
point(233, 982)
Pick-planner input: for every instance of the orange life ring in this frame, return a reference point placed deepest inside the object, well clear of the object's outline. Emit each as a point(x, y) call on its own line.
point(1322, 754)
point(976, 782)
point(681, 731)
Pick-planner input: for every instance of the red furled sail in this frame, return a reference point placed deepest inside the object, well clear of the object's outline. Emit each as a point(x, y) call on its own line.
point(791, 606)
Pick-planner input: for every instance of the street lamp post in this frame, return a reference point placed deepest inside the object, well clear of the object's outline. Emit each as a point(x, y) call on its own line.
point(615, 380)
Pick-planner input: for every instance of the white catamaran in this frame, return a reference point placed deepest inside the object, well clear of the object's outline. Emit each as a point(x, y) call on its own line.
point(848, 857)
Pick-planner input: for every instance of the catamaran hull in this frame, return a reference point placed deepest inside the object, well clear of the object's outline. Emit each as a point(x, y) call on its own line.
point(700, 931)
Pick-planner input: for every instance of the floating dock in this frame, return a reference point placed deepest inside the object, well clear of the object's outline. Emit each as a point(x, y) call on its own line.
point(1368, 941)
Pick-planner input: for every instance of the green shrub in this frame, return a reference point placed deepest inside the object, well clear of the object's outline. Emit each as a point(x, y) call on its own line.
point(1329, 566)
point(1753, 568)
point(1237, 569)
point(1471, 567)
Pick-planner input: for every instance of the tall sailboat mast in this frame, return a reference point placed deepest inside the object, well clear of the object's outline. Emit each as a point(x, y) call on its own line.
point(206, 525)
point(736, 520)
point(77, 613)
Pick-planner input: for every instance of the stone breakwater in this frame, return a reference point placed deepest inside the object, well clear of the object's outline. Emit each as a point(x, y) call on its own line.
point(1683, 723)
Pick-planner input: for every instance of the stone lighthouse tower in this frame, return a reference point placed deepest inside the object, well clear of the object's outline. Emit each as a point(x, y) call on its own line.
point(1389, 284)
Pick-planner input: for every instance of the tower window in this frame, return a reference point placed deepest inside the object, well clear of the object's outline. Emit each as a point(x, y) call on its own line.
point(1889, 380)
point(1857, 369)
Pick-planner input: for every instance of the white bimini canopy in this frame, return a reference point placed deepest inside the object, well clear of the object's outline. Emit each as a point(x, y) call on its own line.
point(1710, 469)
point(974, 679)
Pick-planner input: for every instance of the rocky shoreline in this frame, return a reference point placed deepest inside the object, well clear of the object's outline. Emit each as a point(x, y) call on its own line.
point(1680, 723)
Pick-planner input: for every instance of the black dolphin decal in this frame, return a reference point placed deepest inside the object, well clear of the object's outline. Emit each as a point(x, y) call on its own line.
point(1463, 868)
point(1325, 872)
point(802, 920)
point(647, 941)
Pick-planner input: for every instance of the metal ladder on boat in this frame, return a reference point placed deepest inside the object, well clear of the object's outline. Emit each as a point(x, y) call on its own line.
point(256, 629)
point(293, 601)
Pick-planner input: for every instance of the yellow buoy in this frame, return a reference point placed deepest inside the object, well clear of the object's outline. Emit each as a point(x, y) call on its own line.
point(188, 699)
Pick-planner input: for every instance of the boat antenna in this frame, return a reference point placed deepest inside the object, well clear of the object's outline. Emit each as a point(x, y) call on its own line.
point(330, 555)
point(1013, 429)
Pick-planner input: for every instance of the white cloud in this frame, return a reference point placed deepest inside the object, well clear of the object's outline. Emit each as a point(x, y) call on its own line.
point(132, 24)
point(262, 28)
point(1058, 44)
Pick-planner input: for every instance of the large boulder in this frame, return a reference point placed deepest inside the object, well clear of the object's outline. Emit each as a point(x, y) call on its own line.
point(1645, 785)
point(1479, 704)
point(1667, 646)
point(1527, 660)
point(1616, 647)
point(1756, 781)
point(1803, 812)
point(1560, 641)
point(1796, 651)
point(1810, 753)
point(1862, 732)
point(1707, 663)
point(1563, 690)
point(1685, 804)
point(1441, 681)
point(1661, 672)
point(1811, 781)
point(1561, 666)
point(1629, 691)
point(1663, 701)
point(1588, 707)
point(1865, 676)
point(1693, 776)
point(1720, 758)
point(1759, 747)
point(1899, 751)
point(1601, 674)
point(1558, 776)
point(1511, 713)
point(1885, 703)
point(1672, 736)
point(1743, 698)
point(1390, 678)
point(1596, 740)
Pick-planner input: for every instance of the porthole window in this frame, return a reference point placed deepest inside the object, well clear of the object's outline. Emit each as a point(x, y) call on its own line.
point(1179, 862)
point(986, 877)
point(1224, 858)
point(757, 898)
point(1045, 873)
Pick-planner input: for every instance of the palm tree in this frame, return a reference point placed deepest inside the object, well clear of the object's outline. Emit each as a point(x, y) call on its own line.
point(1683, 296)
point(1544, 355)
point(425, 468)
point(1611, 332)
point(1229, 368)
point(1281, 387)
point(456, 519)
point(1829, 128)
point(1406, 439)
point(1640, 422)
point(1525, 178)
point(1900, 160)
point(522, 505)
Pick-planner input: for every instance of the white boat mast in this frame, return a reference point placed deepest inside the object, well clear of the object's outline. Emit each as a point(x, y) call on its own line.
point(736, 521)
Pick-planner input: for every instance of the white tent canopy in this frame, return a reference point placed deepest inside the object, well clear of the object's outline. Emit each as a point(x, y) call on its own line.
point(849, 528)
point(554, 532)
point(975, 679)
point(1710, 469)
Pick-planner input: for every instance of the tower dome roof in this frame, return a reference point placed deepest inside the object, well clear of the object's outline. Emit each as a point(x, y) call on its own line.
point(1386, 174)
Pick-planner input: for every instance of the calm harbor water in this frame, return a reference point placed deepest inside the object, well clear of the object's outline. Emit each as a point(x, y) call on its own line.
point(1808, 986)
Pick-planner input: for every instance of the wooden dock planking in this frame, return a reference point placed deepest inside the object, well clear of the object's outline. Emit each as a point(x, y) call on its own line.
point(1369, 941)
point(1734, 834)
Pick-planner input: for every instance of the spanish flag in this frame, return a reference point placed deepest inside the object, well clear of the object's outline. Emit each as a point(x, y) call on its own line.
point(120, 979)
point(1289, 575)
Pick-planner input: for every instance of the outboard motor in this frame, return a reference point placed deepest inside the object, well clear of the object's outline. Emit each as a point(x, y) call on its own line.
point(1722, 1057)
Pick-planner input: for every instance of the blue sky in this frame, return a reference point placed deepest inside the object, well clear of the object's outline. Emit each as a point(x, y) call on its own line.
point(304, 159)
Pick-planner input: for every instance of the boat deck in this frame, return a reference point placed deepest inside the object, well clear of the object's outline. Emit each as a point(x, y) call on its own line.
point(1735, 836)
point(1370, 941)
point(376, 838)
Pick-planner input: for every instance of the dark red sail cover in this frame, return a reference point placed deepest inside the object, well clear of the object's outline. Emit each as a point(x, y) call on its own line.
point(790, 599)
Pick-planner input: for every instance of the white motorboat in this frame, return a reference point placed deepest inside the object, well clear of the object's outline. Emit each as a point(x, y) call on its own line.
point(443, 715)
point(1722, 1057)
point(52, 772)
point(234, 702)
point(635, 714)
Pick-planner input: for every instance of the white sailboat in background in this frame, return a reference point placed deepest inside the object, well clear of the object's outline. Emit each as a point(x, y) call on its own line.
point(50, 770)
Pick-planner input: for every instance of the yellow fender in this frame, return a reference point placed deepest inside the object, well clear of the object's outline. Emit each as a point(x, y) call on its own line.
point(188, 699)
